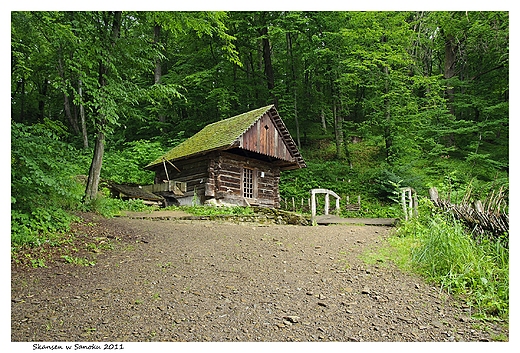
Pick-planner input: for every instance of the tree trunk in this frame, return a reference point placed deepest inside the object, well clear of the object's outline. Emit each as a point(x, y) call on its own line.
point(22, 104)
point(95, 168)
point(99, 149)
point(72, 119)
point(293, 83)
point(338, 128)
point(297, 122)
point(387, 132)
point(323, 122)
point(268, 65)
point(41, 102)
point(82, 116)
point(157, 74)
point(450, 58)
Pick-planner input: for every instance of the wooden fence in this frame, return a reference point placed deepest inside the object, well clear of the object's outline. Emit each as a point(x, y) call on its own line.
point(488, 217)
point(303, 205)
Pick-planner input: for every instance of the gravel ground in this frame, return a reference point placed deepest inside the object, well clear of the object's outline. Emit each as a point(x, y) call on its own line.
point(213, 281)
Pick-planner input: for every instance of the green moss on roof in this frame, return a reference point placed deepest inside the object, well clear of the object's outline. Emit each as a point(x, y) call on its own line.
point(219, 135)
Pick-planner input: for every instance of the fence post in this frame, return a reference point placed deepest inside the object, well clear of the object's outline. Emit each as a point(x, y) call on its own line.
point(403, 201)
point(326, 204)
point(313, 207)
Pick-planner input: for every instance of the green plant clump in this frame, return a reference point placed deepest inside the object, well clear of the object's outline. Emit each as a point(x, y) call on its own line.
point(214, 211)
point(477, 270)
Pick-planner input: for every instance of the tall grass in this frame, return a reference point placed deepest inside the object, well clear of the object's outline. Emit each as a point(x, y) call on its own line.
point(477, 270)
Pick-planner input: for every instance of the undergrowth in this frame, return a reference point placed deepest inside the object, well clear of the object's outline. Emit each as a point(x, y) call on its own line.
point(211, 210)
point(439, 248)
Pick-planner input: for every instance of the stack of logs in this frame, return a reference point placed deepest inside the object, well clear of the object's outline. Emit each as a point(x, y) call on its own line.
point(482, 218)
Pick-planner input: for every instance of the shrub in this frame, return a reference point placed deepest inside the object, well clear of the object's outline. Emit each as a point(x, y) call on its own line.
point(42, 186)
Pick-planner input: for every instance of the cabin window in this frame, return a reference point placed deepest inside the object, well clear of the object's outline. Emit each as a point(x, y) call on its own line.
point(247, 183)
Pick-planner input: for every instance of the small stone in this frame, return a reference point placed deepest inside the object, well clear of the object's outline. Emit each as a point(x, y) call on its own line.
point(365, 291)
point(423, 327)
point(436, 324)
point(322, 304)
point(292, 318)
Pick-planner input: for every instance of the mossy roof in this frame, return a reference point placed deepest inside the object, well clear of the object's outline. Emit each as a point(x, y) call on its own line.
point(219, 135)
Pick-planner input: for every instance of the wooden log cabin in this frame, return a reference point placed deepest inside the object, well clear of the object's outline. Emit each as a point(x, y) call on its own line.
point(236, 161)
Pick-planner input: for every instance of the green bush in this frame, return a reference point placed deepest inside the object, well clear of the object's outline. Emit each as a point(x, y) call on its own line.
point(110, 207)
point(126, 165)
point(43, 188)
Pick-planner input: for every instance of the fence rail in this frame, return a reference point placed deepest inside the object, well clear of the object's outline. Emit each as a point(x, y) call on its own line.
point(303, 205)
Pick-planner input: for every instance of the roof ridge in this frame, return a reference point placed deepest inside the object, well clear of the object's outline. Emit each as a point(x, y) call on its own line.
point(265, 109)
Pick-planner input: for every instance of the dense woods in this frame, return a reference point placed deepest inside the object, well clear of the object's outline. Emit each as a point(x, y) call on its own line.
point(374, 100)
point(377, 99)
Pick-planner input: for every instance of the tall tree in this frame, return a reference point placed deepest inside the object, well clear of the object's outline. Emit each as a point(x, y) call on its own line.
point(109, 28)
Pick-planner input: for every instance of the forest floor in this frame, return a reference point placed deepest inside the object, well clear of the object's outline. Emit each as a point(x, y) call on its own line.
point(168, 280)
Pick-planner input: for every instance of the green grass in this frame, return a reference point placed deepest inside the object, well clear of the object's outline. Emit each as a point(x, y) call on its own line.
point(214, 211)
point(80, 261)
point(478, 271)
point(444, 253)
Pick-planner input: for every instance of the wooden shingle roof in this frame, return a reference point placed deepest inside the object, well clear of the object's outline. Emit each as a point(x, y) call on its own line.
point(226, 134)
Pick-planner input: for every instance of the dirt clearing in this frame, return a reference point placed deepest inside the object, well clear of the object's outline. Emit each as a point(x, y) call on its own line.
point(212, 281)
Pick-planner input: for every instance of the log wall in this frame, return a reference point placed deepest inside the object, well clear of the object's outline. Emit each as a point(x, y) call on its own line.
point(194, 172)
point(228, 172)
point(218, 176)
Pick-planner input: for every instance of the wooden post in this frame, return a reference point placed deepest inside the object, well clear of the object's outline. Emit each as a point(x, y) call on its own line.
point(293, 206)
point(403, 201)
point(434, 195)
point(166, 170)
point(326, 204)
point(415, 205)
point(478, 206)
point(410, 202)
point(313, 207)
point(337, 206)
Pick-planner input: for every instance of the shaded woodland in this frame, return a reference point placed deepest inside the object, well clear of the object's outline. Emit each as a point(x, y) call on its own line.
point(374, 100)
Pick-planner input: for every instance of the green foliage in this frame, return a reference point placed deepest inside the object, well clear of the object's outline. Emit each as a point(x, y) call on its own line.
point(382, 75)
point(43, 187)
point(78, 260)
point(212, 211)
point(477, 270)
point(110, 207)
point(126, 165)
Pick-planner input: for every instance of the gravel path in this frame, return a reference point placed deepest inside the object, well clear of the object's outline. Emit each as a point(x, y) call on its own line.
point(210, 281)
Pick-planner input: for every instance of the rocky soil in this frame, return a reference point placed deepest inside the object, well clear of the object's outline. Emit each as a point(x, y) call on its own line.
point(179, 280)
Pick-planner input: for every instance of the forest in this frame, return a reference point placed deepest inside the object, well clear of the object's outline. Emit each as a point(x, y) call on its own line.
point(374, 100)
